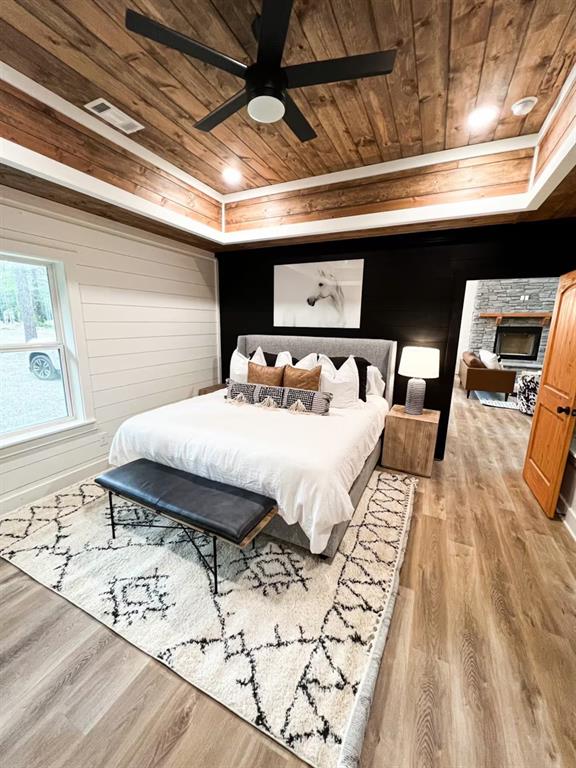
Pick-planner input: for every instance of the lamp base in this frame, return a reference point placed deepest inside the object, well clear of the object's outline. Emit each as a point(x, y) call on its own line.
point(415, 397)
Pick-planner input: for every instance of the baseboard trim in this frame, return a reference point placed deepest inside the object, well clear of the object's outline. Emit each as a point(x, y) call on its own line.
point(569, 515)
point(570, 522)
point(51, 485)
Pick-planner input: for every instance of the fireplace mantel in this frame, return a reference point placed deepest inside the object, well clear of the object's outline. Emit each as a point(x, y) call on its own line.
point(544, 317)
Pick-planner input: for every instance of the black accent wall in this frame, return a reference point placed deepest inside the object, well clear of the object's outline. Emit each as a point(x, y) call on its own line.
point(413, 287)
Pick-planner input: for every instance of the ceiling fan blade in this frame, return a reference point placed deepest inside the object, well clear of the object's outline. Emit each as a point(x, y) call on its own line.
point(153, 30)
point(255, 26)
point(274, 23)
point(296, 121)
point(222, 112)
point(335, 70)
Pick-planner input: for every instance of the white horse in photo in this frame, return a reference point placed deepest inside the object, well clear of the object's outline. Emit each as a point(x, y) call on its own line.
point(328, 299)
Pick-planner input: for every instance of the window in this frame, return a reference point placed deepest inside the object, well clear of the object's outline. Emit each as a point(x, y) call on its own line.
point(35, 383)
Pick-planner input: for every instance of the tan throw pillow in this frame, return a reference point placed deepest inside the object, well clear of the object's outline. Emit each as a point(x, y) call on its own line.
point(263, 374)
point(298, 378)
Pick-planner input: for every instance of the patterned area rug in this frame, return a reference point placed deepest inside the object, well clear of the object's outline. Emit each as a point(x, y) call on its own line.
point(509, 405)
point(488, 398)
point(292, 643)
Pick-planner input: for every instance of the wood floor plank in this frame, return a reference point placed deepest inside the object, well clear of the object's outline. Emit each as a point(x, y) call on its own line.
point(479, 670)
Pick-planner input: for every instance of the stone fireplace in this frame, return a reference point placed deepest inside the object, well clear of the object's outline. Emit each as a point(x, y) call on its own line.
point(521, 341)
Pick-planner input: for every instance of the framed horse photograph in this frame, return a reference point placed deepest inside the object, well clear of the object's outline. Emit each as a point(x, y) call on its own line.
point(324, 294)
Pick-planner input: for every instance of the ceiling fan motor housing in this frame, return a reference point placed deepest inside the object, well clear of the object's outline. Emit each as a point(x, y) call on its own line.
point(263, 82)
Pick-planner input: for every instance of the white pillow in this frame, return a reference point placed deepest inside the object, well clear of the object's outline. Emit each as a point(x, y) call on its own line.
point(308, 362)
point(375, 384)
point(490, 359)
point(343, 383)
point(239, 364)
point(283, 358)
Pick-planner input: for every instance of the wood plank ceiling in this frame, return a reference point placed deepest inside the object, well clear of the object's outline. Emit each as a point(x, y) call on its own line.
point(452, 55)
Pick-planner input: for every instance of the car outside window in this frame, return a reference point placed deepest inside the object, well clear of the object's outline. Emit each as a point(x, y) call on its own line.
point(34, 370)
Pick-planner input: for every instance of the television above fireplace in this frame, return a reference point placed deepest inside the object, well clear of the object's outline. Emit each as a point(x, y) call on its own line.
point(518, 342)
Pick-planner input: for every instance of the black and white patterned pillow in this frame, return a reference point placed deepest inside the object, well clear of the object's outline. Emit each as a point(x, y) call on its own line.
point(236, 388)
point(528, 386)
point(284, 397)
point(314, 402)
point(276, 393)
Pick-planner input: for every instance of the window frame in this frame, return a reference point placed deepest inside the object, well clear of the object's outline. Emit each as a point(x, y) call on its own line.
point(63, 344)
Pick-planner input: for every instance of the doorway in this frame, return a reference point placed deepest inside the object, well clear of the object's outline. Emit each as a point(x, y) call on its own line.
point(504, 334)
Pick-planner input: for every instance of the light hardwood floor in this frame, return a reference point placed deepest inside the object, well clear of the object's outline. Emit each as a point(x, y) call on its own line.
point(479, 670)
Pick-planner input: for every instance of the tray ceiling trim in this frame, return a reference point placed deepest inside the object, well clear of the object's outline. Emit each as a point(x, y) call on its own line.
point(390, 166)
point(51, 170)
point(558, 104)
point(556, 167)
point(399, 217)
point(29, 161)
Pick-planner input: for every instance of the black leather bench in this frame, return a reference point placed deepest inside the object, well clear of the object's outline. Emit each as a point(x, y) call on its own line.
point(205, 506)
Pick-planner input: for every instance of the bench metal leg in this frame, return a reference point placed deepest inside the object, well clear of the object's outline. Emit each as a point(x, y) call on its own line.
point(111, 514)
point(215, 558)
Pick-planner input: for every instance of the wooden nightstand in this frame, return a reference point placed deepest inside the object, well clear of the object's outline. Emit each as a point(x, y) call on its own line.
point(211, 388)
point(409, 441)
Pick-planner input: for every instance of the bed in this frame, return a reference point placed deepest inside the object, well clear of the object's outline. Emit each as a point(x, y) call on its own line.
point(316, 467)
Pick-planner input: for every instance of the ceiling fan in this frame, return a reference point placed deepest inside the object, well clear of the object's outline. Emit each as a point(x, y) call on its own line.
point(267, 82)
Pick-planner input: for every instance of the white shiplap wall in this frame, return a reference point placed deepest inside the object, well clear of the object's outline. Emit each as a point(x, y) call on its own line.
point(145, 313)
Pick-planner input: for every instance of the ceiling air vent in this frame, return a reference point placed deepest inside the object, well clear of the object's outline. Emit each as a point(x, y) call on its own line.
point(114, 116)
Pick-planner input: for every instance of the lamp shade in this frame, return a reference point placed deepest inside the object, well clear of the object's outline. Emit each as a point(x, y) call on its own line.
point(420, 362)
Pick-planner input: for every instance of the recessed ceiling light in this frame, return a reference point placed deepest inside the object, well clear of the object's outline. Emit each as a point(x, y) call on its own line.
point(231, 175)
point(482, 116)
point(524, 106)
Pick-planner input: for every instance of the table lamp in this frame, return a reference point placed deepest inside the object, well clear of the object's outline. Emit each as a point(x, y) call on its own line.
point(419, 363)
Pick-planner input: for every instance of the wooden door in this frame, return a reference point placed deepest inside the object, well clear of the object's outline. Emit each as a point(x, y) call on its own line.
point(554, 416)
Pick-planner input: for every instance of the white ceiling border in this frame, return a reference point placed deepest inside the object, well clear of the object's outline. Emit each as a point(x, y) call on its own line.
point(28, 161)
point(36, 164)
point(555, 169)
point(390, 166)
point(564, 91)
point(398, 217)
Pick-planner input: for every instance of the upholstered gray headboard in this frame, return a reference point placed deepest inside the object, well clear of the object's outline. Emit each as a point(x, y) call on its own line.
point(379, 352)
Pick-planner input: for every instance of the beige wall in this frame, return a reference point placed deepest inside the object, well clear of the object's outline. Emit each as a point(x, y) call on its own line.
point(145, 312)
point(466, 321)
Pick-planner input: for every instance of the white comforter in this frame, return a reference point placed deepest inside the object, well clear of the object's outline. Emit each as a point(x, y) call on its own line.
point(304, 461)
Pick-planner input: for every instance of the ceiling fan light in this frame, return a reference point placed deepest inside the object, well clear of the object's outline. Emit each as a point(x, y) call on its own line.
point(266, 109)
